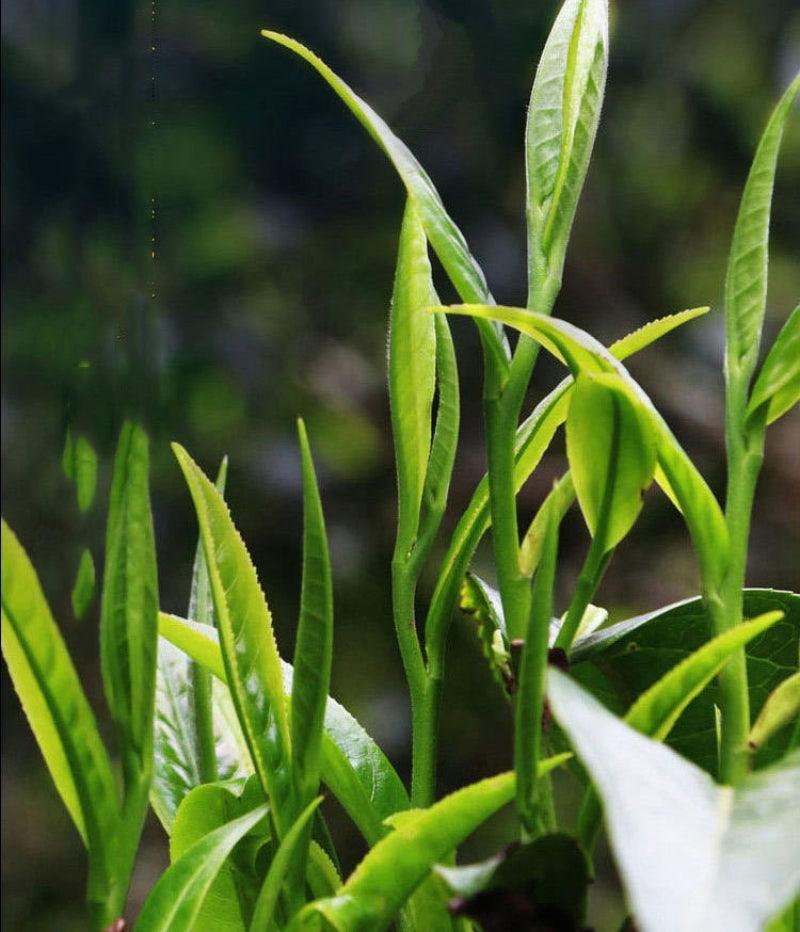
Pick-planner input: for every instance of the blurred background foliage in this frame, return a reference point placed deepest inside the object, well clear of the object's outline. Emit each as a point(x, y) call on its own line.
point(275, 222)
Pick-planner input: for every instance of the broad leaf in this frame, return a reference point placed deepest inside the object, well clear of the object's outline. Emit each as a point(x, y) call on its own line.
point(314, 647)
point(177, 899)
point(583, 354)
point(352, 765)
point(746, 280)
point(263, 919)
point(59, 715)
point(563, 115)
point(612, 455)
point(412, 368)
point(778, 382)
point(129, 608)
point(532, 440)
point(83, 590)
point(445, 237)
point(693, 855)
point(399, 863)
point(623, 661)
point(79, 463)
point(249, 651)
point(230, 899)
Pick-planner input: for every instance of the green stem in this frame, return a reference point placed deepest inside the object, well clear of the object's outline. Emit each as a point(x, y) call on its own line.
point(591, 575)
point(204, 723)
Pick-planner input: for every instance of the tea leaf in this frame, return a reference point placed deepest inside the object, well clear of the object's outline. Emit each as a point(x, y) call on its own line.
point(249, 652)
point(532, 440)
point(57, 710)
point(562, 122)
point(781, 708)
point(129, 607)
point(176, 900)
point(625, 660)
point(559, 499)
point(83, 589)
point(582, 353)
point(612, 455)
point(314, 647)
point(482, 602)
point(746, 280)
point(263, 920)
point(445, 237)
point(79, 463)
point(693, 855)
point(778, 382)
point(352, 765)
point(229, 902)
point(400, 862)
point(412, 365)
point(530, 697)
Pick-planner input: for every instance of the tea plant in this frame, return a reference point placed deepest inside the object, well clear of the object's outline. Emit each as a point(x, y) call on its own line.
point(681, 725)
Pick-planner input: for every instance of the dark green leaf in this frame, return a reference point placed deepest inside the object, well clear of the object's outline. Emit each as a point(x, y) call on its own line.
point(746, 280)
point(79, 463)
point(83, 589)
point(249, 651)
point(129, 610)
point(693, 855)
point(621, 662)
point(59, 715)
point(778, 382)
point(177, 899)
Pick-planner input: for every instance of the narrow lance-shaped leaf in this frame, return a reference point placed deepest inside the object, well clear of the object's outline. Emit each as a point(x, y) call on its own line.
point(79, 463)
point(83, 590)
point(177, 898)
point(352, 765)
point(533, 438)
point(563, 114)
point(314, 648)
point(778, 382)
point(612, 455)
point(397, 865)
point(263, 918)
point(445, 237)
point(412, 370)
point(530, 696)
point(60, 717)
point(582, 353)
point(746, 280)
point(249, 651)
point(129, 610)
point(693, 855)
point(781, 708)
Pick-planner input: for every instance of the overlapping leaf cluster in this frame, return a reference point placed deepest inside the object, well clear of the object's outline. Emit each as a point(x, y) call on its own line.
point(681, 725)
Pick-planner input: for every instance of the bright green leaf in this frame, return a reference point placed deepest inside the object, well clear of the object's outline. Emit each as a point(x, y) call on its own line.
point(746, 280)
point(129, 606)
point(176, 900)
point(263, 919)
point(412, 368)
point(693, 855)
point(399, 863)
point(778, 382)
point(59, 715)
point(314, 647)
point(612, 455)
point(83, 589)
point(781, 708)
point(352, 765)
point(249, 651)
point(563, 114)
point(445, 435)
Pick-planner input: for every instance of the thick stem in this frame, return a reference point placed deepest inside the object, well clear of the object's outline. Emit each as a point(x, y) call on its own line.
point(204, 723)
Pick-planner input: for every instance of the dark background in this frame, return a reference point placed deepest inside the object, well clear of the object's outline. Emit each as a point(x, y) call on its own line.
point(275, 227)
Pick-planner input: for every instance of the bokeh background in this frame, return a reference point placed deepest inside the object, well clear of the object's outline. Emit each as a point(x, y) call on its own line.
point(276, 223)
